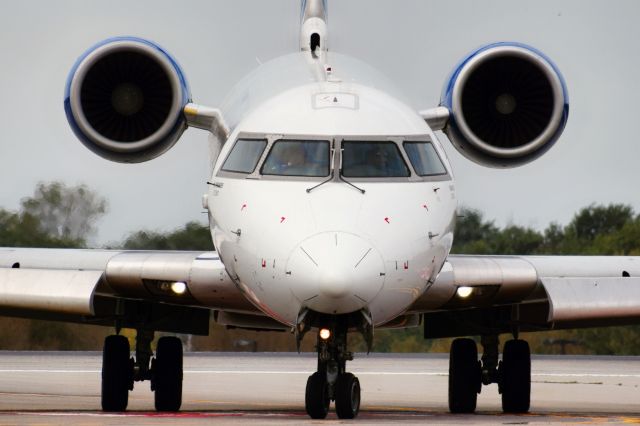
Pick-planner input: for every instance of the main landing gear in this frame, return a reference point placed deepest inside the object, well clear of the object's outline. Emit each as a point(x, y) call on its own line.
point(332, 382)
point(467, 374)
point(120, 371)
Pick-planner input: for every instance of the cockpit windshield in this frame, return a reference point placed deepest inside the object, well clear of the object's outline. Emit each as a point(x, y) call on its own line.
point(424, 158)
point(244, 156)
point(372, 159)
point(394, 158)
point(298, 158)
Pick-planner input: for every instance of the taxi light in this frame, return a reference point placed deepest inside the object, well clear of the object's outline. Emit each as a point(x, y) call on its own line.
point(178, 287)
point(464, 292)
point(325, 333)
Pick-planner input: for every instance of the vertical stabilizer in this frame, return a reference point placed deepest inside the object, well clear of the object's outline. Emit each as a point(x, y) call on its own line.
point(313, 26)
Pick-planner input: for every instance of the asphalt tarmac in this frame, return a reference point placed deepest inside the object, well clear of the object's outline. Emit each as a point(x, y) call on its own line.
point(267, 388)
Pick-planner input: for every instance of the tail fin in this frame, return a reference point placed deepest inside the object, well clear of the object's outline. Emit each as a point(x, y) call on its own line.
point(313, 25)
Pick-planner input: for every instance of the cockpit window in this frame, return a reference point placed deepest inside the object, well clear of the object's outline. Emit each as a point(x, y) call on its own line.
point(424, 158)
point(297, 158)
point(372, 159)
point(244, 156)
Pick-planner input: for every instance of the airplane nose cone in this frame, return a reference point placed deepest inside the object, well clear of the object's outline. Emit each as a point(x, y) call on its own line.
point(335, 272)
point(333, 284)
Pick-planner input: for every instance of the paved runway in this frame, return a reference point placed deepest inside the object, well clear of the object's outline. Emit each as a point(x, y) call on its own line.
point(64, 388)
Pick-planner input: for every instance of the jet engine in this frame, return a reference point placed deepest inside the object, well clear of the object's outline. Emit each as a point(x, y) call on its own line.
point(124, 99)
point(508, 104)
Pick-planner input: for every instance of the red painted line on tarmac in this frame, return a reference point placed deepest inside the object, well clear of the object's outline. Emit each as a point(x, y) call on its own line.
point(186, 415)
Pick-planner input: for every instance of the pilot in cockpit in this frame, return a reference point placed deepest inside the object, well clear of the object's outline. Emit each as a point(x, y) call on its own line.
point(298, 158)
point(291, 159)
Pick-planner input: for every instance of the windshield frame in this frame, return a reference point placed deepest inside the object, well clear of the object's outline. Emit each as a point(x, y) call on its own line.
point(271, 140)
point(399, 150)
point(335, 158)
point(435, 151)
point(399, 142)
point(231, 150)
point(271, 152)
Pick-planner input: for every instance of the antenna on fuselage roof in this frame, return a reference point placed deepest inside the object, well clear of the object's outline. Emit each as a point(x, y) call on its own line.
point(313, 26)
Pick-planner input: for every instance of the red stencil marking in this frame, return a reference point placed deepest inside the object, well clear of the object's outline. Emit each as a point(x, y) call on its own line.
point(264, 263)
point(244, 206)
point(425, 206)
point(386, 219)
point(282, 219)
point(406, 265)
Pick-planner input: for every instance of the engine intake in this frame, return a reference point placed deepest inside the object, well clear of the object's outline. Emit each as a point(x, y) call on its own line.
point(508, 105)
point(124, 99)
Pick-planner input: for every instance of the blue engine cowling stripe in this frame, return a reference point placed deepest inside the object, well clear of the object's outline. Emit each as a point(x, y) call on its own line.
point(446, 98)
point(185, 90)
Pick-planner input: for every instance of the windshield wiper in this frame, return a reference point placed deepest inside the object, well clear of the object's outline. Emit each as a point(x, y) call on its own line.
point(362, 191)
point(333, 171)
point(321, 183)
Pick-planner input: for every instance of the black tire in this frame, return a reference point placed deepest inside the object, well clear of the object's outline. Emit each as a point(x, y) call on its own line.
point(167, 374)
point(117, 373)
point(316, 396)
point(347, 396)
point(464, 376)
point(515, 377)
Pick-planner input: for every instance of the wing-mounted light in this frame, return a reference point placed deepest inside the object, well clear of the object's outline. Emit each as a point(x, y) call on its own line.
point(507, 105)
point(125, 100)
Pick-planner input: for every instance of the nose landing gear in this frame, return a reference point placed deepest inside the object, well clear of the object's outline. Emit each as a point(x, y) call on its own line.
point(332, 382)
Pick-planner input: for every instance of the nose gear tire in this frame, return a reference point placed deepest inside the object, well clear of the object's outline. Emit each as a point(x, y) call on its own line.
point(316, 399)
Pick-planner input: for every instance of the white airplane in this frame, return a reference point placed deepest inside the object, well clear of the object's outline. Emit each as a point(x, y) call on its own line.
point(332, 207)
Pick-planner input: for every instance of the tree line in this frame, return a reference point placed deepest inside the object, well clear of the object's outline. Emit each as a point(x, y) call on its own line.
point(57, 215)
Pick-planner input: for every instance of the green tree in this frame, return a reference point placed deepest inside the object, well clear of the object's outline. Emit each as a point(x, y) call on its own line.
point(553, 239)
point(23, 230)
point(516, 240)
point(473, 234)
point(56, 215)
point(192, 236)
point(596, 220)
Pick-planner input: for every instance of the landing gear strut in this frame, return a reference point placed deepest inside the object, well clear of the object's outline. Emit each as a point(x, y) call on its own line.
point(467, 374)
point(332, 382)
point(120, 370)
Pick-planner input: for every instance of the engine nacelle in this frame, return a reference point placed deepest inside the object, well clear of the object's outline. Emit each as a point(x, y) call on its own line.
point(508, 104)
point(124, 99)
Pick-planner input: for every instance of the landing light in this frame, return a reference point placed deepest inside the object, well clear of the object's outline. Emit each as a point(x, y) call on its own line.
point(178, 287)
point(325, 333)
point(464, 291)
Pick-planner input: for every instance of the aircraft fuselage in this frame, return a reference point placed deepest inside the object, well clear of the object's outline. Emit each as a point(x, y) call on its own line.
point(343, 239)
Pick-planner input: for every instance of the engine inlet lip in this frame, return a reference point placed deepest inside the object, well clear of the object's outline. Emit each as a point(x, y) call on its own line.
point(558, 104)
point(76, 101)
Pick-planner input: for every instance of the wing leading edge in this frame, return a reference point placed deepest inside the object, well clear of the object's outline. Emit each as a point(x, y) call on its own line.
point(100, 286)
point(530, 293)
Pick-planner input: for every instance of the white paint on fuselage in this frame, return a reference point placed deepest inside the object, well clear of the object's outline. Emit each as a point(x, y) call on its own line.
point(333, 250)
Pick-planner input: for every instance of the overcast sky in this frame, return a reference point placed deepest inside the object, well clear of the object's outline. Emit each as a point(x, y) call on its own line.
point(596, 44)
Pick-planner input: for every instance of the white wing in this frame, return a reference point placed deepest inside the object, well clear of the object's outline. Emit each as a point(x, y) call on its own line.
point(530, 293)
point(108, 286)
